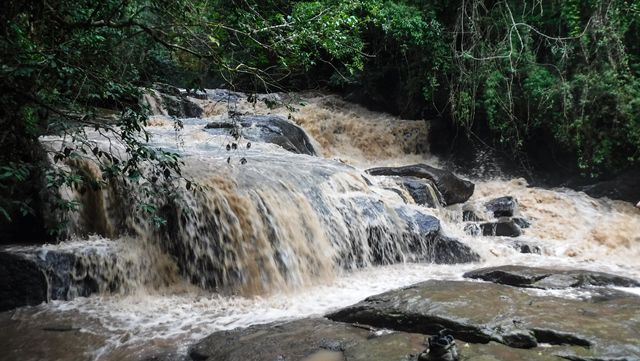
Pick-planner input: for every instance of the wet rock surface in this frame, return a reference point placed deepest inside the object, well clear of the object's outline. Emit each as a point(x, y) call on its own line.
point(324, 340)
point(504, 227)
point(502, 207)
point(622, 187)
point(521, 222)
point(32, 275)
point(453, 189)
point(521, 276)
point(23, 282)
point(173, 102)
point(425, 240)
point(525, 247)
point(603, 324)
point(268, 129)
point(423, 191)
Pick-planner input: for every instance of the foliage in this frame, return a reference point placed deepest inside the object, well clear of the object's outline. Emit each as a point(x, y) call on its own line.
point(73, 67)
point(562, 67)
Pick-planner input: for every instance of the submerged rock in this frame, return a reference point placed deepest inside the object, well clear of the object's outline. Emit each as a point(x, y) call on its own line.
point(453, 189)
point(504, 227)
point(604, 327)
point(521, 276)
point(502, 207)
point(469, 215)
point(521, 222)
point(423, 191)
point(525, 247)
point(426, 243)
point(269, 129)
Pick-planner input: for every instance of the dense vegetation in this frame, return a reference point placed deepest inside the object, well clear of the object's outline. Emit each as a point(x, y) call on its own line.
point(515, 71)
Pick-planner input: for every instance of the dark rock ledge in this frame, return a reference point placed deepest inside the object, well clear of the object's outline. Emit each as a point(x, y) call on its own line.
point(520, 276)
point(490, 321)
point(323, 340)
point(602, 326)
point(32, 275)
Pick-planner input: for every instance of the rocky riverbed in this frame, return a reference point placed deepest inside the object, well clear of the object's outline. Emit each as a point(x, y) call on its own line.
point(505, 320)
point(321, 234)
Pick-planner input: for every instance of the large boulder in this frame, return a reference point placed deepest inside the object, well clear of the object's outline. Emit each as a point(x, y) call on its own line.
point(601, 325)
point(453, 189)
point(543, 278)
point(268, 129)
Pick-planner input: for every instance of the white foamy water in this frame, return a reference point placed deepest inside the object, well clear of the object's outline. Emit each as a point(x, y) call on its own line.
point(160, 310)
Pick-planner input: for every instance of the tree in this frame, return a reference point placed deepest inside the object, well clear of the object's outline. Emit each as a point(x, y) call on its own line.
point(69, 67)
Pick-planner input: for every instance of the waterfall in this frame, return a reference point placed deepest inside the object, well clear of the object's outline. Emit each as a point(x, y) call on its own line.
point(286, 220)
point(269, 232)
point(281, 220)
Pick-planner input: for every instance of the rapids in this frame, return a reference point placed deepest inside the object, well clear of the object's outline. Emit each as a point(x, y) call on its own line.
point(292, 233)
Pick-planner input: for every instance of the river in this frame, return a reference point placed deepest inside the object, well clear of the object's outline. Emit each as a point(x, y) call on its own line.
point(287, 235)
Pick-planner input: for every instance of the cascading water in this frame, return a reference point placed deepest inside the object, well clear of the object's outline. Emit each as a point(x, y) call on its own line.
point(288, 235)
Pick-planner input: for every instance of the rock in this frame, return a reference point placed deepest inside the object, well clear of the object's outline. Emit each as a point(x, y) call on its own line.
point(32, 275)
point(423, 191)
point(622, 187)
point(166, 356)
point(23, 282)
point(445, 250)
point(521, 276)
point(484, 312)
point(320, 339)
point(425, 242)
point(181, 106)
point(453, 189)
point(168, 100)
point(224, 95)
point(502, 207)
point(269, 129)
point(521, 222)
point(470, 216)
point(305, 340)
point(524, 247)
point(504, 227)
point(638, 204)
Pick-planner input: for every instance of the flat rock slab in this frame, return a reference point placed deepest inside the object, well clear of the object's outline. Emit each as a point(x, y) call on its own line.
point(606, 325)
point(324, 340)
point(521, 276)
